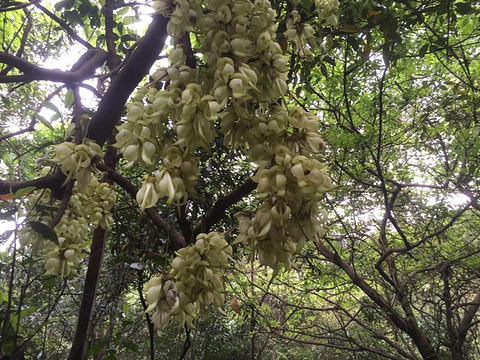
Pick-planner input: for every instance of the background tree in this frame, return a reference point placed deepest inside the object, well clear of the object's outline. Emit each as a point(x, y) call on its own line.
point(220, 126)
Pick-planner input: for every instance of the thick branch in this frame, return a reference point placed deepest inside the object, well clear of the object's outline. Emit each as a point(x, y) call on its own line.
point(137, 66)
point(468, 318)
point(222, 204)
point(95, 58)
point(51, 181)
point(113, 60)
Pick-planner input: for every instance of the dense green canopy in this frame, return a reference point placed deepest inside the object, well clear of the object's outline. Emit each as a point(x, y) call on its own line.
point(244, 179)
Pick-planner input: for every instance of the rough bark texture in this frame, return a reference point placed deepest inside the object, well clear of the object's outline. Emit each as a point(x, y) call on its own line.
point(88, 298)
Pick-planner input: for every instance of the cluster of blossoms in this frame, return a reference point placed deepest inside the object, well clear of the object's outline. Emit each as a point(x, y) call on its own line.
point(326, 9)
point(235, 92)
point(89, 205)
point(175, 181)
point(76, 161)
point(140, 136)
point(291, 187)
point(194, 283)
point(85, 209)
point(301, 33)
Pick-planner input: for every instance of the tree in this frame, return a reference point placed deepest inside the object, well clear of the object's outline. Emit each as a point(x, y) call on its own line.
point(186, 163)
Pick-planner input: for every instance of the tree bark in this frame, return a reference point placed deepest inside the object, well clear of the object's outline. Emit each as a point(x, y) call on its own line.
point(77, 351)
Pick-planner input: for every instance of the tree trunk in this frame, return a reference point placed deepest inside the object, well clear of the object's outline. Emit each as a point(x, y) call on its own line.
point(78, 350)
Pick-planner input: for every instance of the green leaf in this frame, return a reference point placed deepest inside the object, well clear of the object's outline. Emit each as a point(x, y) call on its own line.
point(130, 20)
point(25, 191)
point(69, 99)
point(463, 8)
point(128, 37)
point(98, 346)
point(423, 50)
point(65, 4)
point(7, 346)
point(28, 311)
point(55, 117)
point(49, 281)
point(350, 29)
point(111, 355)
point(122, 11)
point(46, 231)
point(44, 121)
point(51, 106)
point(329, 59)
point(130, 345)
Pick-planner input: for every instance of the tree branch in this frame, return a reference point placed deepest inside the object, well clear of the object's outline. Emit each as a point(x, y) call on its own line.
point(51, 181)
point(137, 66)
point(218, 210)
point(89, 290)
point(63, 206)
point(466, 322)
point(421, 341)
point(113, 60)
point(17, 6)
point(95, 58)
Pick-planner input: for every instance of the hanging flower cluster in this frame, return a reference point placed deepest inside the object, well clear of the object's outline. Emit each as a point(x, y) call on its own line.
point(96, 203)
point(76, 161)
point(300, 33)
point(88, 208)
point(291, 212)
point(64, 256)
point(139, 137)
point(175, 181)
point(194, 283)
point(235, 92)
point(326, 9)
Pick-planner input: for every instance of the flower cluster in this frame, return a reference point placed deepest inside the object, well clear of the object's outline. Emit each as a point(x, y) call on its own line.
point(62, 258)
point(174, 181)
point(194, 283)
point(169, 303)
point(235, 92)
point(290, 213)
point(179, 12)
point(139, 137)
point(300, 33)
point(96, 203)
point(76, 161)
point(326, 9)
point(88, 208)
